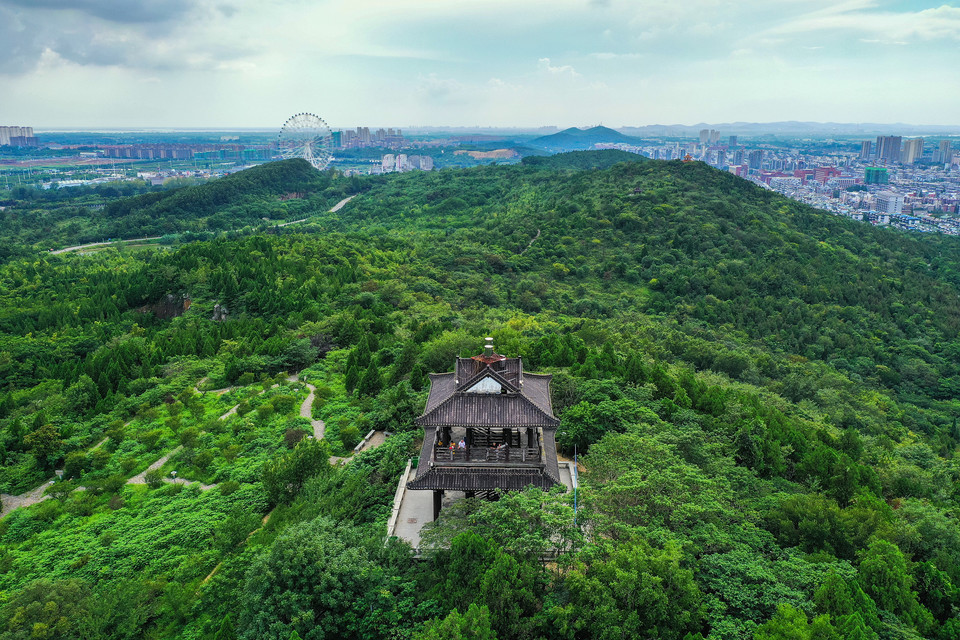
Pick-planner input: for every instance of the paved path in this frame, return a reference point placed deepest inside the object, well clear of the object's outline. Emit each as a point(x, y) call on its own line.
point(11, 502)
point(416, 509)
point(377, 439)
point(334, 209)
point(306, 411)
point(229, 413)
point(141, 478)
point(101, 244)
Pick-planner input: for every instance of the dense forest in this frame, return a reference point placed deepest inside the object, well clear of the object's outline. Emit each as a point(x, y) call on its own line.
point(762, 397)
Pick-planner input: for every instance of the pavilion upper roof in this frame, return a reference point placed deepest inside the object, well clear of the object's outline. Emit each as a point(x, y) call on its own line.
point(489, 390)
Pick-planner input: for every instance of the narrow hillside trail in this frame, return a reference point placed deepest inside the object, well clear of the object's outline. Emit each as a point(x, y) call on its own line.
point(11, 502)
point(229, 413)
point(333, 209)
point(141, 478)
point(34, 496)
point(531, 243)
point(306, 409)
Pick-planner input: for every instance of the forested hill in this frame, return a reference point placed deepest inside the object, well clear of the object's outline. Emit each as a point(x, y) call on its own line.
point(254, 198)
point(763, 397)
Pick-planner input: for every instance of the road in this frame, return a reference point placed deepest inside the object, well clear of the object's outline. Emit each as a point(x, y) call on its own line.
point(334, 209)
point(101, 244)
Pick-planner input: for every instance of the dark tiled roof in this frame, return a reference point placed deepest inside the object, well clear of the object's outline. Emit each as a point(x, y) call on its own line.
point(536, 387)
point(442, 387)
point(481, 479)
point(526, 402)
point(487, 410)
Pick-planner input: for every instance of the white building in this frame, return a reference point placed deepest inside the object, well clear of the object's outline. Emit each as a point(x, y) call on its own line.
point(888, 202)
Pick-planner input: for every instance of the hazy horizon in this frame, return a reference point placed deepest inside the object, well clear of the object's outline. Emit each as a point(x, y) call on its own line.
point(222, 64)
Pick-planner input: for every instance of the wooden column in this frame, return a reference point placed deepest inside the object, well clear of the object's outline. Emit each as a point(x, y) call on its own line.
point(437, 500)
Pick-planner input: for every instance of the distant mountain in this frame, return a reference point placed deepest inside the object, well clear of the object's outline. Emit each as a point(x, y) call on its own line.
point(578, 139)
point(792, 127)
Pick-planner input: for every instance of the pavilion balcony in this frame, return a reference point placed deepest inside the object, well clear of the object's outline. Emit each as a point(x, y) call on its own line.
point(475, 453)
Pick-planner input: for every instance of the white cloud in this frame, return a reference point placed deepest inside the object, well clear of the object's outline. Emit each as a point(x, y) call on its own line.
point(544, 64)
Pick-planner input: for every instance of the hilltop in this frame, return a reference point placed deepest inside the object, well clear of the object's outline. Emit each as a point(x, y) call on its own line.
point(763, 398)
point(575, 139)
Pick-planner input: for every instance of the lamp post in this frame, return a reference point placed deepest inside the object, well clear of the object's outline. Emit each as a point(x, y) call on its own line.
point(576, 482)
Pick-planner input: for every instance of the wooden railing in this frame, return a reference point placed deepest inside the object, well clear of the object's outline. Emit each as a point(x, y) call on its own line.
point(487, 454)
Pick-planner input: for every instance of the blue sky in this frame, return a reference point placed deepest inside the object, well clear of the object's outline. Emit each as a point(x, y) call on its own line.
point(231, 63)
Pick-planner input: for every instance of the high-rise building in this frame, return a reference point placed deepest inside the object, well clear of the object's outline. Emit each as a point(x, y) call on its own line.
point(865, 149)
point(911, 151)
point(388, 163)
point(704, 136)
point(733, 142)
point(944, 153)
point(888, 148)
point(17, 136)
point(875, 175)
point(755, 159)
point(714, 136)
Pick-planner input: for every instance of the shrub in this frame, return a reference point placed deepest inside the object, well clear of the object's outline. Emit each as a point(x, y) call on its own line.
point(350, 437)
point(154, 478)
point(228, 487)
point(292, 436)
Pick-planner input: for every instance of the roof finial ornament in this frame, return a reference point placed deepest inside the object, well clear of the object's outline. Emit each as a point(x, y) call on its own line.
point(488, 347)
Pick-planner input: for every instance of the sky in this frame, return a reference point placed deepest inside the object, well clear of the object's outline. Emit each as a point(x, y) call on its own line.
point(498, 63)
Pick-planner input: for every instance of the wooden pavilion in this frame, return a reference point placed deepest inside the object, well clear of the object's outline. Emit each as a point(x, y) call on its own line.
point(488, 426)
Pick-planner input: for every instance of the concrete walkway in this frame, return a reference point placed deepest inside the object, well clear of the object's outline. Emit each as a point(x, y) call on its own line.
point(416, 509)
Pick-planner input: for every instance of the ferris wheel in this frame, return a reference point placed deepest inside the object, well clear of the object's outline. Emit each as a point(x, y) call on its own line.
point(306, 136)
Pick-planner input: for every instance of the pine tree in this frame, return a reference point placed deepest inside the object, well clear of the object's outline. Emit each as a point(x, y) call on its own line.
point(352, 377)
point(371, 384)
point(363, 354)
point(226, 631)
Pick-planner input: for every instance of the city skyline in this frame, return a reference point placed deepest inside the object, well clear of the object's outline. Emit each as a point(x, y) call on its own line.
point(222, 64)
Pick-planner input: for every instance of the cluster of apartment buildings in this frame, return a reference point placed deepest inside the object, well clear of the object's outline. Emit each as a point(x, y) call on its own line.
point(390, 163)
point(894, 149)
point(205, 152)
point(17, 137)
point(362, 138)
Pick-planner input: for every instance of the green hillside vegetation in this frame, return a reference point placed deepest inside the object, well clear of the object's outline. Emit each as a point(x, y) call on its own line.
point(763, 397)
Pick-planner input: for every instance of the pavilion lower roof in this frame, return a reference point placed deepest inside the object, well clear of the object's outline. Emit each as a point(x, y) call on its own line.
point(486, 479)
